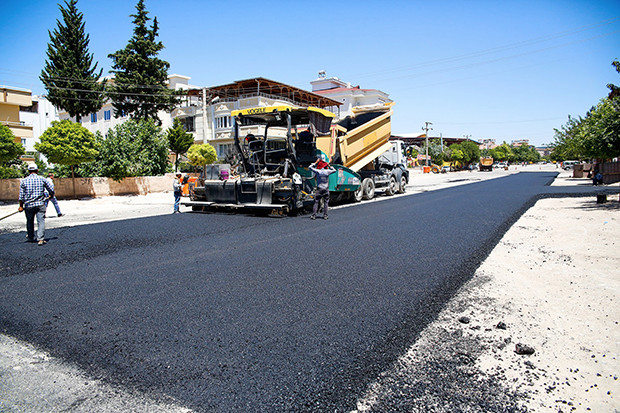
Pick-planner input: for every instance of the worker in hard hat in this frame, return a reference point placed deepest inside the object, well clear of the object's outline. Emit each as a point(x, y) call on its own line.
point(322, 170)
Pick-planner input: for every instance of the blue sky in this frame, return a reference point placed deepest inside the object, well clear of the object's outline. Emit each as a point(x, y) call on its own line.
point(488, 69)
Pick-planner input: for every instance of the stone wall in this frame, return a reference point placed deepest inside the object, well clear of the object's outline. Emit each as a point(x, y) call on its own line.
point(611, 172)
point(95, 187)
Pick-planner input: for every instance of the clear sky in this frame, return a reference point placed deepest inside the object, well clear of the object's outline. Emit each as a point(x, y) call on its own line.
point(486, 69)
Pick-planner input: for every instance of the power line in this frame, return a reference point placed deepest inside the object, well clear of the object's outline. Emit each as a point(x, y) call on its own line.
point(494, 49)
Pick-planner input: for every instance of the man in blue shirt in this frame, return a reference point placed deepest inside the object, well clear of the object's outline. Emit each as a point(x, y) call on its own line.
point(322, 170)
point(32, 201)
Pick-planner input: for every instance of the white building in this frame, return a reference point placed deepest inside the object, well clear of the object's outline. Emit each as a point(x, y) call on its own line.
point(213, 121)
point(347, 95)
point(40, 116)
point(103, 120)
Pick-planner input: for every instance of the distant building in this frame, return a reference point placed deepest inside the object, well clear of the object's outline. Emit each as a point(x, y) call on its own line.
point(520, 142)
point(346, 95)
point(544, 151)
point(420, 139)
point(12, 99)
point(488, 144)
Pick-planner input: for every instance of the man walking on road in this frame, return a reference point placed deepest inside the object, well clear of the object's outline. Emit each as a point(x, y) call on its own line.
point(32, 202)
point(176, 187)
point(50, 180)
point(322, 170)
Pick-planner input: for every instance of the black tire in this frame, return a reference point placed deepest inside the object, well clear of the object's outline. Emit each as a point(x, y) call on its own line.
point(369, 188)
point(392, 187)
point(403, 184)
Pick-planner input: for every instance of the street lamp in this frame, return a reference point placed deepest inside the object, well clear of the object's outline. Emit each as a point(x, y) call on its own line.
point(426, 128)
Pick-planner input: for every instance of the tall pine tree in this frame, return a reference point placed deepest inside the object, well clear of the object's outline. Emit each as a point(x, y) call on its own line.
point(139, 89)
point(69, 74)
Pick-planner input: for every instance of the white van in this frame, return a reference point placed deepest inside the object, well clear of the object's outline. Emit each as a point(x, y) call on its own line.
point(569, 164)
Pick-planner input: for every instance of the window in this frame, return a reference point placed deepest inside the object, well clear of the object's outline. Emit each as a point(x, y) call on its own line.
point(23, 142)
point(34, 108)
point(107, 115)
point(223, 122)
point(93, 118)
point(188, 123)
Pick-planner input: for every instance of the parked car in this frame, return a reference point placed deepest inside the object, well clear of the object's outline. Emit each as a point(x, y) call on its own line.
point(502, 165)
point(445, 168)
point(566, 165)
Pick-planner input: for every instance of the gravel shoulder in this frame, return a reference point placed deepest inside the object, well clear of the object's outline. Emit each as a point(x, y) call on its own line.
point(552, 280)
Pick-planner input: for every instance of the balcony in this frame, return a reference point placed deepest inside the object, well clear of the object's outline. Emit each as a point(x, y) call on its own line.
point(19, 129)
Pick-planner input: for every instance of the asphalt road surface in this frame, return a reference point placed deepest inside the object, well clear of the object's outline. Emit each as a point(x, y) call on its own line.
point(242, 313)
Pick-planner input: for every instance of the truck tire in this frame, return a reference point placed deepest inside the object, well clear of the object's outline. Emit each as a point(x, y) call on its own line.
point(392, 187)
point(403, 185)
point(369, 188)
point(358, 195)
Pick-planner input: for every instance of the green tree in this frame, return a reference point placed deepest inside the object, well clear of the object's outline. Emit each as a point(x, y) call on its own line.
point(470, 152)
point(179, 141)
point(614, 90)
point(600, 130)
point(597, 135)
point(69, 75)
point(457, 155)
point(68, 143)
point(201, 155)
point(9, 149)
point(502, 152)
point(139, 89)
point(134, 148)
point(436, 152)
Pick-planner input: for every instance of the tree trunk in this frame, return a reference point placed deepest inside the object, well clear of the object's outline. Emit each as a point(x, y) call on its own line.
point(73, 181)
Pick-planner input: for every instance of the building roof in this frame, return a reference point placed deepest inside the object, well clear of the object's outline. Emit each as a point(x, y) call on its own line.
point(254, 86)
point(343, 89)
point(420, 139)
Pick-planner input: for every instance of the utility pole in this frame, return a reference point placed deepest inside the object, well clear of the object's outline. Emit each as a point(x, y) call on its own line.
point(426, 129)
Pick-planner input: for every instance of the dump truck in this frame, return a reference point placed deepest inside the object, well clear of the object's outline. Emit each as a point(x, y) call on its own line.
point(486, 164)
point(363, 145)
point(272, 173)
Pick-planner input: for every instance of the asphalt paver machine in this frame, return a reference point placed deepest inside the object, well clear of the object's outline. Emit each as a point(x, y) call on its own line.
point(272, 172)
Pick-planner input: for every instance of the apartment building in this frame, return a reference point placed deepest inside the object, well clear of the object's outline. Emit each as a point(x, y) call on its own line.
point(40, 115)
point(11, 100)
point(103, 120)
point(212, 108)
point(346, 95)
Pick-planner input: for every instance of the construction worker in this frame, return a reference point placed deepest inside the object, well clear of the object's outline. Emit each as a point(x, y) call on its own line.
point(322, 170)
point(176, 187)
point(32, 202)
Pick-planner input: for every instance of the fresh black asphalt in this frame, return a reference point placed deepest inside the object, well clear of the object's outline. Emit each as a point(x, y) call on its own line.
point(228, 312)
